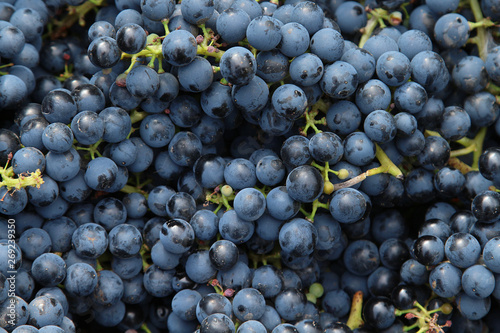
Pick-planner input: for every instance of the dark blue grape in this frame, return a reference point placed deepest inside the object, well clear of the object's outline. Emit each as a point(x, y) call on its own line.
point(101, 29)
point(380, 126)
point(306, 69)
point(451, 31)
point(12, 41)
point(238, 65)
point(232, 24)
point(185, 148)
point(343, 117)
point(339, 80)
point(361, 257)
point(156, 130)
point(429, 70)
point(104, 52)
point(359, 149)
point(445, 280)
point(298, 237)
point(350, 16)
point(197, 11)
point(289, 101)
point(235, 229)
point(455, 123)
point(90, 240)
point(87, 127)
point(81, 279)
point(327, 44)
point(213, 303)
point(158, 282)
point(264, 33)
point(362, 61)
point(290, 304)
point(199, 267)
point(272, 66)
point(45, 310)
point(393, 68)
point(304, 184)
point(197, 76)
point(373, 95)
point(179, 48)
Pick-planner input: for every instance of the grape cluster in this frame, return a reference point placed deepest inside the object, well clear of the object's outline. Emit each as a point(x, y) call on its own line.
point(245, 166)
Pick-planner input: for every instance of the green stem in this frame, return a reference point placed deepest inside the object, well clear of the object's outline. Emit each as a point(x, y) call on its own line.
point(481, 31)
point(33, 179)
point(165, 26)
point(145, 328)
point(463, 151)
point(315, 205)
point(479, 140)
point(355, 318)
point(137, 116)
point(386, 166)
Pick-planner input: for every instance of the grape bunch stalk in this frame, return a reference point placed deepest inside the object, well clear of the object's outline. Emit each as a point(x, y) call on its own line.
point(242, 166)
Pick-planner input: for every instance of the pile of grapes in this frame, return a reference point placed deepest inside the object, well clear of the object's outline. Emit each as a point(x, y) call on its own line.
point(247, 166)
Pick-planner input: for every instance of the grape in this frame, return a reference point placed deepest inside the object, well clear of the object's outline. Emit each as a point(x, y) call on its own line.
point(238, 65)
point(264, 33)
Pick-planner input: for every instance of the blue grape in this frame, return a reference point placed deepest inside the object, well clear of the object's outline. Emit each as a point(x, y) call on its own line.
point(104, 52)
point(380, 126)
point(290, 304)
point(359, 149)
point(213, 303)
point(491, 256)
point(81, 279)
point(156, 130)
point(413, 42)
point(350, 16)
point(362, 61)
point(343, 117)
point(445, 280)
point(451, 31)
point(304, 184)
point(196, 76)
point(470, 74)
point(327, 44)
point(45, 311)
point(184, 304)
point(90, 240)
point(232, 24)
point(410, 97)
point(294, 39)
point(393, 68)
point(49, 270)
point(289, 101)
point(101, 29)
point(197, 11)
point(235, 229)
point(339, 80)
point(264, 33)
point(199, 267)
point(373, 95)
point(473, 308)
point(298, 237)
point(272, 66)
point(179, 48)
point(455, 123)
point(361, 257)
point(306, 69)
point(87, 127)
point(478, 282)
point(429, 70)
point(238, 65)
